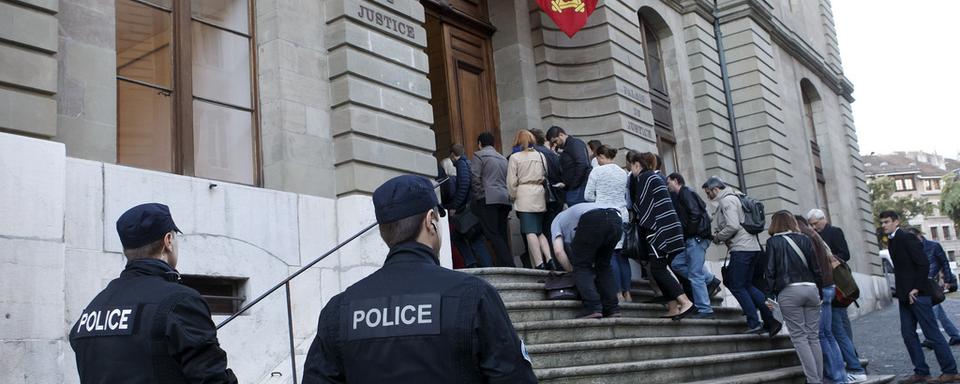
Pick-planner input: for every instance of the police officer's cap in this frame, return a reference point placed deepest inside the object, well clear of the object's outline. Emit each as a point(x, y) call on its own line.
point(144, 224)
point(404, 196)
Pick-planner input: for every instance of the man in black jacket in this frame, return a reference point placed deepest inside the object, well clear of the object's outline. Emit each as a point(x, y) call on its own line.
point(414, 321)
point(831, 235)
point(696, 237)
point(145, 327)
point(913, 288)
point(574, 163)
point(468, 241)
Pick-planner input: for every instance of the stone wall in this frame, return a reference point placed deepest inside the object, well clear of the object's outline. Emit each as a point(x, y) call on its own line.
point(59, 248)
point(28, 66)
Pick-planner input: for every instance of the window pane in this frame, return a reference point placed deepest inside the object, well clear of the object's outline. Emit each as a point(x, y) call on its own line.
point(221, 66)
point(230, 14)
point(144, 136)
point(144, 43)
point(223, 139)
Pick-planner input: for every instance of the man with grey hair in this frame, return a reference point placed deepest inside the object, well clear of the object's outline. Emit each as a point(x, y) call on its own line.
point(831, 235)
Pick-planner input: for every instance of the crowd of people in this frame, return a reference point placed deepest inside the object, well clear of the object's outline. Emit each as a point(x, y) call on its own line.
point(580, 212)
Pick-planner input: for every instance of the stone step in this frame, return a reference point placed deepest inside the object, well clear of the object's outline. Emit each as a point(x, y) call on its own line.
point(574, 330)
point(652, 348)
point(533, 291)
point(786, 375)
point(508, 275)
point(541, 310)
point(643, 294)
point(680, 370)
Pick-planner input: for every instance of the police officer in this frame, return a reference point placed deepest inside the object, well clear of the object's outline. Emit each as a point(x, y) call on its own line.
point(145, 327)
point(414, 321)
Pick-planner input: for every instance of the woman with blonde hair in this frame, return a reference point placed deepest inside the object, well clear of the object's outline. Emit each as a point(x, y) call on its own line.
point(793, 279)
point(526, 172)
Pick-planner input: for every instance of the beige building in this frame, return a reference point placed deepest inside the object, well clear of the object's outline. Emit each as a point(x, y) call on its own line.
point(920, 175)
point(266, 124)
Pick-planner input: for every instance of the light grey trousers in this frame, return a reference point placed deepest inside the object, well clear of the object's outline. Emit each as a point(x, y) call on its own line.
point(800, 305)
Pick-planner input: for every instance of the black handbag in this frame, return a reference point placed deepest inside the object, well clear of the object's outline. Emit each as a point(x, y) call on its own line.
point(936, 292)
point(561, 286)
point(548, 193)
point(725, 273)
point(465, 222)
point(631, 242)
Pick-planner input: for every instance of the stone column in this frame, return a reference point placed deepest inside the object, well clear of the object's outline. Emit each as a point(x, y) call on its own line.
point(594, 84)
point(297, 145)
point(379, 92)
point(28, 66)
point(516, 71)
point(754, 84)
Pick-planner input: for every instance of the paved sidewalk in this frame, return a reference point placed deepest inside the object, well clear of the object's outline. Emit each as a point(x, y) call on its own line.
point(877, 337)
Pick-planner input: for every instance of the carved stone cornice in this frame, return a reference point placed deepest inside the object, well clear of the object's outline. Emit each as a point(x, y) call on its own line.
point(761, 12)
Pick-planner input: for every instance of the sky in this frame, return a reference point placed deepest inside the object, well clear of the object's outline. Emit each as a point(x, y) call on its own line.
point(903, 58)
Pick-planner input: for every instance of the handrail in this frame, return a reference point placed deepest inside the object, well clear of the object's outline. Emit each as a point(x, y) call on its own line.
point(295, 274)
point(285, 283)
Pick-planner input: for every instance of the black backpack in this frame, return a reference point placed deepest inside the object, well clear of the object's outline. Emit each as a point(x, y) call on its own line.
point(754, 220)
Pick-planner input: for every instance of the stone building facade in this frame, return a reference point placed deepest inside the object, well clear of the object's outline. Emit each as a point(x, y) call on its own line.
point(266, 124)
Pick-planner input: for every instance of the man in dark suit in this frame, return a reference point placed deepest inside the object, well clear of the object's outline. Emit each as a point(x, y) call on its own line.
point(912, 267)
point(574, 164)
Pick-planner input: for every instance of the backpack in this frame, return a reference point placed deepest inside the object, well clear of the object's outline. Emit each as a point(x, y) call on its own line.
point(847, 289)
point(754, 220)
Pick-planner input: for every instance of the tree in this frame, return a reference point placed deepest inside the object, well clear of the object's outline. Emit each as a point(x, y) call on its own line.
point(908, 207)
point(950, 197)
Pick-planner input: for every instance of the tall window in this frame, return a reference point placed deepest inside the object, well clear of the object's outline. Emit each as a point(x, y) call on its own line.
point(659, 96)
point(931, 184)
point(934, 234)
point(810, 96)
point(185, 89)
point(946, 232)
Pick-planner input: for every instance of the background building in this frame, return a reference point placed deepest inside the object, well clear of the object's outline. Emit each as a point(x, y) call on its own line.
point(266, 124)
point(920, 175)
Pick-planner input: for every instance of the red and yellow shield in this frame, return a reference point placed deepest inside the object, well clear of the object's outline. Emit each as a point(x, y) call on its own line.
point(570, 15)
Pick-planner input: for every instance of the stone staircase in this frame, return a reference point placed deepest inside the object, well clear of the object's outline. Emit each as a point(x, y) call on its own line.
point(639, 347)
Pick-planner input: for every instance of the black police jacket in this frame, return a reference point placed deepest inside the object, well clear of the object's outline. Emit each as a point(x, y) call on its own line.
point(414, 321)
point(147, 328)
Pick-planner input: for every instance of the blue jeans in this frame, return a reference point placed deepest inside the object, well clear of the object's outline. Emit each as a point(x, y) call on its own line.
point(832, 358)
point(741, 270)
point(575, 196)
point(689, 264)
point(946, 323)
point(621, 271)
point(839, 324)
point(921, 312)
point(474, 252)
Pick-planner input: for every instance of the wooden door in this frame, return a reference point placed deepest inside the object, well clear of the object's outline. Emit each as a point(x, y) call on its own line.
point(461, 76)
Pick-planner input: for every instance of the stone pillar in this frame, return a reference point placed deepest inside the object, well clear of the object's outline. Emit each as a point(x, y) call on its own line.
point(830, 36)
point(715, 139)
point(379, 92)
point(754, 84)
point(28, 66)
point(594, 84)
point(519, 98)
point(297, 145)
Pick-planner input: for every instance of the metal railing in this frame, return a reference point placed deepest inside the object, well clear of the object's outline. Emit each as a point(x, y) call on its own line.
point(285, 283)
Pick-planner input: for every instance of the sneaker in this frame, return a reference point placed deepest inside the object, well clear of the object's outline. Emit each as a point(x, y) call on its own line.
point(613, 315)
point(927, 344)
point(593, 315)
point(915, 379)
point(714, 287)
point(954, 341)
point(856, 378)
point(755, 330)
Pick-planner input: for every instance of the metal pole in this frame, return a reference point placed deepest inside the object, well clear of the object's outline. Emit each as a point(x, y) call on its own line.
point(293, 352)
point(731, 116)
